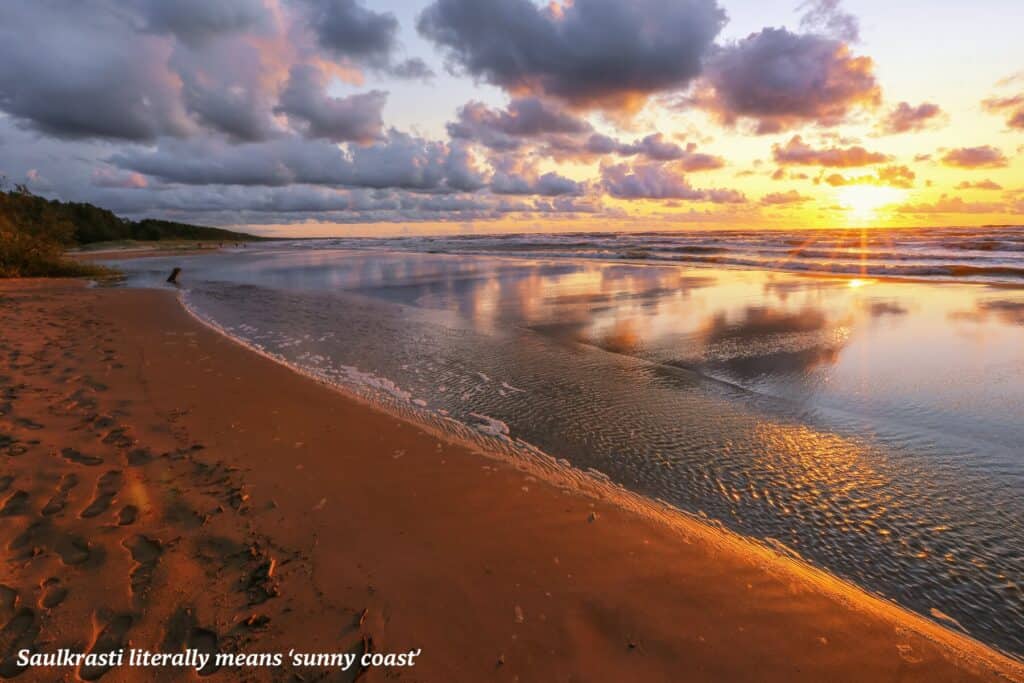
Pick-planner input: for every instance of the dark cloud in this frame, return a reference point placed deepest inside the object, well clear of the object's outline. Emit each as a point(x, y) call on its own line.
point(224, 87)
point(74, 70)
point(826, 17)
point(1012, 107)
point(654, 147)
point(589, 53)
point(413, 68)
point(798, 153)
point(349, 30)
point(196, 21)
point(905, 118)
point(352, 118)
point(140, 70)
point(548, 184)
point(508, 129)
point(984, 156)
point(780, 79)
point(647, 180)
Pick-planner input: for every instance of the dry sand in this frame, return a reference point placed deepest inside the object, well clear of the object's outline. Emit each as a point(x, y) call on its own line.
point(164, 488)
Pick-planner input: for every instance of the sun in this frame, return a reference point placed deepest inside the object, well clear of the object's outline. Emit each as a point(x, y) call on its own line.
point(863, 201)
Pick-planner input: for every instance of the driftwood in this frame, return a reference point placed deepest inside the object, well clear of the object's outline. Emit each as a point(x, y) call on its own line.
point(173, 278)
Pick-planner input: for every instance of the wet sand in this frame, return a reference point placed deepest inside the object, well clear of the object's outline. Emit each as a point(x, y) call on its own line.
point(165, 488)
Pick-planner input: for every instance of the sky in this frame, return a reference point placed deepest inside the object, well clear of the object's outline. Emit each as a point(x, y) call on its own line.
point(349, 117)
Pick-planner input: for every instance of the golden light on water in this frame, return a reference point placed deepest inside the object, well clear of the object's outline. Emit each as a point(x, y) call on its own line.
point(864, 201)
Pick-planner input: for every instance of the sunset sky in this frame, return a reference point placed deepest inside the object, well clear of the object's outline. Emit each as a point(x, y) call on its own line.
point(313, 117)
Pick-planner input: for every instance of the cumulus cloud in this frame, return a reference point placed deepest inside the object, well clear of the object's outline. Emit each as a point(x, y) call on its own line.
point(905, 118)
point(656, 148)
point(649, 180)
point(352, 118)
point(196, 21)
point(1012, 107)
point(139, 70)
point(779, 80)
point(349, 30)
point(589, 53)
point(73, 71)
point(508, 129)
point(984, 156)
point(796, 152)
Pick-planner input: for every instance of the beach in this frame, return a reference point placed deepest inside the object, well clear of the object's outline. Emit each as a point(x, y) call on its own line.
point(166, 489)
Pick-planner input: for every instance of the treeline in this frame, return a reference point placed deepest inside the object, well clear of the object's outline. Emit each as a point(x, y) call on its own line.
point(35, 232)
point(79, 223)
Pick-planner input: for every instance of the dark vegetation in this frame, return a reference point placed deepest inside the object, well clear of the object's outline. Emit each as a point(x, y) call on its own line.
point(35, 232)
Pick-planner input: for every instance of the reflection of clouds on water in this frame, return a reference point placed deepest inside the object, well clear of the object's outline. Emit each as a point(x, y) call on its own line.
point(1009, 311)
point(879, 309)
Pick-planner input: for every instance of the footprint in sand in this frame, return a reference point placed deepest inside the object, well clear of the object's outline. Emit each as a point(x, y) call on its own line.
point(8, 599)
point(205, 641)
point(60, 498)
point(17, 634)
point(145, 551)
point(16, 504)
point(139, 456)
point(111, 638)
point(127, 515)
point(107, 487)
point(118, 437)
point(53, 593)
point(73, 550)
point(182, 633)
point(80, 458)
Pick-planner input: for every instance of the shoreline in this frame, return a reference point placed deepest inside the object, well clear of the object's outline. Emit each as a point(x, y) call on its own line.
point(239, 403)
point(597, 486)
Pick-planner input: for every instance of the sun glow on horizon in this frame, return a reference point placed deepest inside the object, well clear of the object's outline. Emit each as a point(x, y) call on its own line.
point(863, 202)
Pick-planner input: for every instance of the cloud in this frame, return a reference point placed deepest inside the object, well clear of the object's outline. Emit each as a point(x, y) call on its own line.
point(780, 80)
point(197, 21)
point(549, 184)
point(352, 118)
point(141, 70)
point(825, 17)
point(649, 180)
point(508, 129)
point(1013, 107)
point(984, 156)
point(348, 30)
point(72, 71)
point(905, 118)
point(798, 153)
point(589, 53)
point(952, 205)
point(892, 176)
point(979, 185)
point(789, 197)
